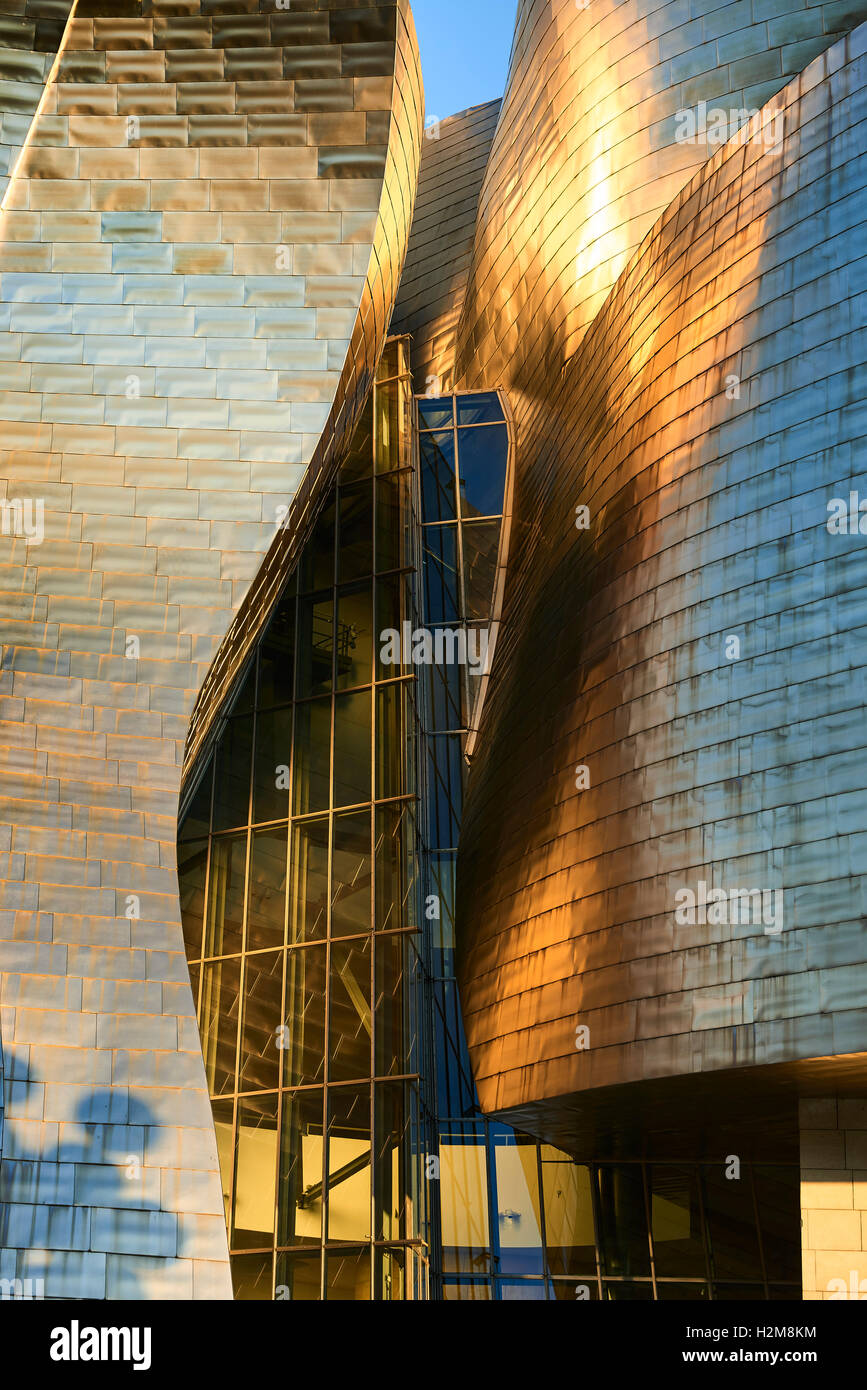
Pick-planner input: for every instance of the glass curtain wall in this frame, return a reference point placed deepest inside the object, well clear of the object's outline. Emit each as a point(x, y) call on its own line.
point(298, 883)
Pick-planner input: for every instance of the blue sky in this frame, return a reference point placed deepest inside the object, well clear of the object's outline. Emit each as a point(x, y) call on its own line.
point(464, 51)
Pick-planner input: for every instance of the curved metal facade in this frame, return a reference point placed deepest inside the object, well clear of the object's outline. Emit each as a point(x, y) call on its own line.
point(697, 650)
point(589, 151)
point(455, 156)
point(199, 258)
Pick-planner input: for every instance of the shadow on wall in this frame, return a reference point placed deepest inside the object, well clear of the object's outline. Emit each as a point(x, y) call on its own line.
point(75, 1201)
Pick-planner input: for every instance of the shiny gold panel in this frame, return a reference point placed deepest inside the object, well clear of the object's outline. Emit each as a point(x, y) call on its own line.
point(676, 704)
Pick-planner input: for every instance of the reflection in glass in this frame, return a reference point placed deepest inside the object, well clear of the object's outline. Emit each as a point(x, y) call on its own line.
point(479, 408)
point(355, 548)
point(483, 455)
point(260, 1031)
point(218, 1027)
point(481, 540)
point(348, 1163)
point(569, 1226)
point(350, 1023)
point(302, 1151)
point(298, 1277)
point(354, 645)
point(303, 1031)
point(352, 732)
point(272, 763)
point(519, 1215)
point(226, 895)
point(350, 874)
point(464, 1204)
point(675, 1213)
point(232, 780)
point(266, 905)
point(623, 1220)
point(347, 1276)
point(311, 765)
point(308, 894)
point(437, 454)
point(192, 866)
point(253, 1197)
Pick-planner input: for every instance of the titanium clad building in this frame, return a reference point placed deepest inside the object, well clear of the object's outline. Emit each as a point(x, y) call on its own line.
point(431, 588)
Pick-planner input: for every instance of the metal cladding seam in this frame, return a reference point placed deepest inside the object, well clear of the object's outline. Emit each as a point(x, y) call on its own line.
point(712, 413)
point(205, 203)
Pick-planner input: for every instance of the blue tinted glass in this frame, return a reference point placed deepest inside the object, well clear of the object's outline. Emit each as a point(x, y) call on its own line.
point(434, 413)
point(441, 574)
point(482, 458)
point(480, 410)
point(437, 476)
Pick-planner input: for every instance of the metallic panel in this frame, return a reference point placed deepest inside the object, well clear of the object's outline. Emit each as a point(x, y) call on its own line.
point(203, 285)
point(454, 158)
point(587, 154)
point(711, 414)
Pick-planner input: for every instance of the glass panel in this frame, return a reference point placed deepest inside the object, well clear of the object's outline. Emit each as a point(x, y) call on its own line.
point(437, 457)
point(359, 460)
point(273, 761)
point(480, 409)
point(303, 1036)
point(309, 881)
point(678, 1244)
point(523, 1291)
point(352, 715)
point(623, 1220)
point(224, 1129)
point(391, 1195)
point(253, 1199)
point(354, 654)
point(569, 1222)
point(244, 699)
point(682, 1293)
point(226, 895)
point(266, 900)
point(351, 875)
point(350, 1026)
point(435, 412)
point(218, 1027)
point(347, 1276)
point(480, 540)
point(192, 864)
point(445, 789)
point(778, 1199)
point(464, 1204)
point(277, 655)
point(348, 1163)
point(389, 617)
point(465, 1292)
point(445, 703)
point(395, 888)
point(442, 603)
point(389, 1001)
point(392, 517)
point(260, 1033)
point(301, 1170)
point(232, 781)
point(197, 821)
point(568, 1291)
point(731, 1223)
point(483, 455)
point(298, 1277)
point(391, 1283)
point(392, 748)
point(355, 549)
point(519, 1216)
point(388, 433)
point(251, 1277)
point(312, 756)
point(315, 644)
point(316, 569)
point(628, 1293)
point(746, 1293)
